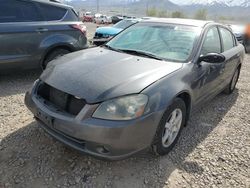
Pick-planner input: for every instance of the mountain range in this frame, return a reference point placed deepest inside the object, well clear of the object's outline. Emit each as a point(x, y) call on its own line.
point(229, 3)
point(236, 9)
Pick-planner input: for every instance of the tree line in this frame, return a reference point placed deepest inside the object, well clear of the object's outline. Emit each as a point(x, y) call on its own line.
point(200, 14)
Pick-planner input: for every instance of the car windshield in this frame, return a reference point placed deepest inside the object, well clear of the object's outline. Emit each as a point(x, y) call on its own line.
point(124, 24)
point(164, 41)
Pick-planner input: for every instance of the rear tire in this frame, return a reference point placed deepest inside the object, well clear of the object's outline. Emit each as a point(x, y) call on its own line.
point(247, 49)
point(53, 55)
point(231, 86)
point(169, 129)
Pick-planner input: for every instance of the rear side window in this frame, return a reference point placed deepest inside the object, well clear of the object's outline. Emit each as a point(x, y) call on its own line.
point(212, 42)
point(52, 13)
point(227, 39)
point(71, 16)
point(18, 11)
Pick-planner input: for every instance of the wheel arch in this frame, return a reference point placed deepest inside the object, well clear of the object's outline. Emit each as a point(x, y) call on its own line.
point(186, 97)
point(49, 50)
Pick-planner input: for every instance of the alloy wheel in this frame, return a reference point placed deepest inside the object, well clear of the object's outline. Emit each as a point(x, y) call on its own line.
point(172, 128)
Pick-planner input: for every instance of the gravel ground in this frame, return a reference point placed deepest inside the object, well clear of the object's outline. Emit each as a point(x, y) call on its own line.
point(213, 151)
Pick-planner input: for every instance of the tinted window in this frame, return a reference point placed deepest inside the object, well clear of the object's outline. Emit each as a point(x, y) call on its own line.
point(212, 42)
point(52, 13)
point(18, 11)
point(227, 39)
point(72, 16)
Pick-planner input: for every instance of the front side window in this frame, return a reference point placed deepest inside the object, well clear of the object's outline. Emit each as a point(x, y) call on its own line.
point(166, 41)
point(227, 39)
point(18, 11)
point(212, 42)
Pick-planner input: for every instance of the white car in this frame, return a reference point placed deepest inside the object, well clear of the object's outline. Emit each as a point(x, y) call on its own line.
point(103, 19)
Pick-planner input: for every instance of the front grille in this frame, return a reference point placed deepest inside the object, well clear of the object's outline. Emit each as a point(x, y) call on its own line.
point(61, 100)
point(98, 35)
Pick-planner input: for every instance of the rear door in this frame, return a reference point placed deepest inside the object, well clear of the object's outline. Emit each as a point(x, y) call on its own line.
point(231, 52)
point(19, 35)
point(62, 27)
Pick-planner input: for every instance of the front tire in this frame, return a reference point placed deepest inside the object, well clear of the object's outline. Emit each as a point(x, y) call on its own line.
point(53, 55)
point(170, 127)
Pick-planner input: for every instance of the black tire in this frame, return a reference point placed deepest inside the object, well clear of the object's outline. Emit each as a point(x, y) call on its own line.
point(157, 145)
point(53, 55)
point(247, 49)
point(231, 86)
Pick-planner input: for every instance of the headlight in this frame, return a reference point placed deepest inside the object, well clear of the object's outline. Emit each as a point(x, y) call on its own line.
point(123, 108)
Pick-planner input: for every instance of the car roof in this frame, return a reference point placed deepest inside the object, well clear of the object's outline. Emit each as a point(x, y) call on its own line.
point(58, 4)
point(132, 19)
point(189, 22)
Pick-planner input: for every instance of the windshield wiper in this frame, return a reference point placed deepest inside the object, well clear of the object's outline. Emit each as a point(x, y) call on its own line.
point(111, 48)
point(141, 53)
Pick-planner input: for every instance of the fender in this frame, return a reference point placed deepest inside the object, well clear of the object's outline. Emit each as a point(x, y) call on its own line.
point(163, 94)
point(57, 40)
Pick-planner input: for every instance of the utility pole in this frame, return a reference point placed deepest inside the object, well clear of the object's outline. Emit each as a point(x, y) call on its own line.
point(97, 6)
point(147, 8)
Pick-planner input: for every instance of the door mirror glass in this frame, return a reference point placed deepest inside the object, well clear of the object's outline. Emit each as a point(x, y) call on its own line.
point(212, 58)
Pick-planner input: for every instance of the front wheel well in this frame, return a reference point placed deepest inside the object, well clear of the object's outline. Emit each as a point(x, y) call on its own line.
point(187, 100)
point(51, 50)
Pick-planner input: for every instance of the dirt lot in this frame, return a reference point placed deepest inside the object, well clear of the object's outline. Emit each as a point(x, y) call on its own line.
point(213, 151)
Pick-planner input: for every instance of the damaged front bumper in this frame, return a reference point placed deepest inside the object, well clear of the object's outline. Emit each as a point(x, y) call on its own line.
point(111, 140)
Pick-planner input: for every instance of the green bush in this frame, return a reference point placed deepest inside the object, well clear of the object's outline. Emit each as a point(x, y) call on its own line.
point(152, 12)
point(163, 14)
point(201, 14)
point(178, 14)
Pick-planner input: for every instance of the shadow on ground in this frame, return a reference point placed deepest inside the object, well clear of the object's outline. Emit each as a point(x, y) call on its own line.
point(17, 82)
point(31, 157)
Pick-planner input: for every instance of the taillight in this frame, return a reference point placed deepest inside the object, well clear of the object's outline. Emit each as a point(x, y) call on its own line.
point(82, 28)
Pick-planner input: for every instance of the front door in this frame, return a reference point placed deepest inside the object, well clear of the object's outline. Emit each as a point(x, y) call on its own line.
point(209, 75)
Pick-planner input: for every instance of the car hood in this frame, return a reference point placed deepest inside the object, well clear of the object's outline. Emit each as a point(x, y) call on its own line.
point(99, 74)
point(108, 30)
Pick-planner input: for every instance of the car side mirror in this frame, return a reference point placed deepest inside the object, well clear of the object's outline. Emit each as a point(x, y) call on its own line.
point(212, 58)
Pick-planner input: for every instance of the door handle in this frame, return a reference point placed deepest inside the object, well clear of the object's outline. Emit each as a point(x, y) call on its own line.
point(41, 30)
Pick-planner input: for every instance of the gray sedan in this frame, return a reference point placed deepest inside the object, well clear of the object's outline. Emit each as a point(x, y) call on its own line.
point(139, 89)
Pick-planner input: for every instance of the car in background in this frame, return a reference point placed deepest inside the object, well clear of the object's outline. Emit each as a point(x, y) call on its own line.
point(103, 34)
point(242, 34)
point(103, 19)
point(88, 17)
point(238, 31)
point(138, 90)
point(32, 33)
point(247, 39)
point(116, 19)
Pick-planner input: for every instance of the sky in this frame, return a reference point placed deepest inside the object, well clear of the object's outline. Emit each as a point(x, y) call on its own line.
point(229, 2)
point(183, 2)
